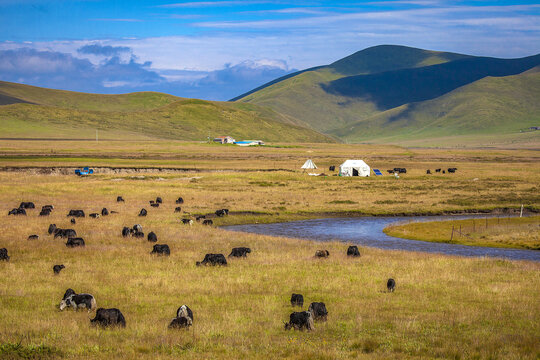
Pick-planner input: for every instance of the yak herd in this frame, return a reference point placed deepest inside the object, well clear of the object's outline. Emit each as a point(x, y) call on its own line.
point(302, 320)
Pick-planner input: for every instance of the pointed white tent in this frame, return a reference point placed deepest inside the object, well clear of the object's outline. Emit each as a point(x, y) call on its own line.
point(354, 168)
point(309, 164)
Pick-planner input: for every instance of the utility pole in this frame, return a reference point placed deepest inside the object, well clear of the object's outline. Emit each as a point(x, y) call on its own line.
point(96, 135)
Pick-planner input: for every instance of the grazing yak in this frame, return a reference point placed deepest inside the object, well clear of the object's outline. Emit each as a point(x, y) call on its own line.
point(322, 253)
point(207, 222)
point(152, 236)
point(126, 231)
point(353, 251)
point(119, 199)
point(143, 212)
point(76, 213)
point(74, 242)
point(78, 301)
point(438, 170)
point(64, 233)
point(33, 237)
point(452, 170)
point(47, 207)
point(240, 252)
point(183, 319)
point(109, 317)
point(332, 168)
point(179, 200)
point(27, 205)
point(17, 211)
point(52, 228)
point(213, 259)
point(73, 220)
point(177, 209)
point(222, 212)
point(159, 200)
point(68, 293)
point(318, 311)
point(187, 221)
point(297, 300)
point(4, 254)
point(153, 204)
point(161, 249)
point(94, 215)
point(300, 321)
point(137, 228)
point(45, 212)
point(104, 212)
point(137, 234)
point(200, 217)
point(391, 285)
point(428, 172)
point(57, 268)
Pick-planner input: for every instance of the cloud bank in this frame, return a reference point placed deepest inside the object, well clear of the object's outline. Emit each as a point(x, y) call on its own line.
point(113, 75)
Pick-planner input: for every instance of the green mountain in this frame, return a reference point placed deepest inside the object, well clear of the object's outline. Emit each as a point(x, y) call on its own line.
point(33, 112)
point(375, 82)
point(488, 107)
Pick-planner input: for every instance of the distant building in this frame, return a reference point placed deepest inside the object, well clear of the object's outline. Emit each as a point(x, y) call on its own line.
point(249, 142)
point(224, 140)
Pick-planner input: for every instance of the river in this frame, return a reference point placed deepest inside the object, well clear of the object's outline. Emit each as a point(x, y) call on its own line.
point(368, 231)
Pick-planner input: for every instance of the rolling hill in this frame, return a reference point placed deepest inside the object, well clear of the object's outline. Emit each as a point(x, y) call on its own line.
point(487, 107)
point(383, 81)
point(33, 112)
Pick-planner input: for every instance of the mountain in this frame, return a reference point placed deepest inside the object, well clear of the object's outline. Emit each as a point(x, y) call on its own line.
point(486, 108)
point(386, 79)
point(33, 112)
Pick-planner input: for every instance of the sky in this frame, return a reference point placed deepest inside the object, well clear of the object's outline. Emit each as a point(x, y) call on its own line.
point(217, 50)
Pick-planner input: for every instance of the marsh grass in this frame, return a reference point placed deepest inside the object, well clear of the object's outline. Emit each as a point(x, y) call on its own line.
point(443, 307)
point(520, 233)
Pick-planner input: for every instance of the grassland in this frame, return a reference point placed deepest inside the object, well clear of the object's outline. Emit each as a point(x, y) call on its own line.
point(519, 233)
point(32, 112)
point(444, 307)
point(491, 106)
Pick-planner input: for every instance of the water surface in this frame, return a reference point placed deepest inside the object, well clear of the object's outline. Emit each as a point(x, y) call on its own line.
point(368, 231)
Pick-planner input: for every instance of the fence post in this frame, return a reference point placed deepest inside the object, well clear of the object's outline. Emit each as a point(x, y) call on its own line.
point(474, 225)
point(486, 223)
point(459, 230)
point(521, 212)
point(452, 236)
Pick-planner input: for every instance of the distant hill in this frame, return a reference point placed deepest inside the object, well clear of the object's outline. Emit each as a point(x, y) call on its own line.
point(377, 81)
point(33, 112)
point(490, 106)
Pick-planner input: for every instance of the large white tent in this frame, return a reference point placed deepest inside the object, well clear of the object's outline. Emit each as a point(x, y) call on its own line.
point(309, 164)
point(354, 168)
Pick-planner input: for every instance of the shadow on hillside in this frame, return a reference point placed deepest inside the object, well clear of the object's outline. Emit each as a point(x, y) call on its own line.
point(394, 88)
point(8, 100)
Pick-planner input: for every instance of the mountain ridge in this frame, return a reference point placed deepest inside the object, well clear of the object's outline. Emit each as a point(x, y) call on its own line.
point(386, 77)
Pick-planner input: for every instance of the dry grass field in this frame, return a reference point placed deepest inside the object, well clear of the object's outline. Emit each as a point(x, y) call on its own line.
point(443, 307)
point(521, 233)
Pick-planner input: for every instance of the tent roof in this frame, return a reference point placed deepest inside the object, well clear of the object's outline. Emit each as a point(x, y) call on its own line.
point(309, 164)
point(354, 163)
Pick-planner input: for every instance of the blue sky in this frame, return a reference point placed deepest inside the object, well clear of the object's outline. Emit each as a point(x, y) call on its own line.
point(219, 49)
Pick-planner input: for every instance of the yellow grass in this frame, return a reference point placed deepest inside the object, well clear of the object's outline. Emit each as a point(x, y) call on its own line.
point(520, 233)
point(443, 307)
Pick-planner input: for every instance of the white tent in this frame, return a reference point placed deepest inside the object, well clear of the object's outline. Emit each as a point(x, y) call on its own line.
point(309, 164)
point(354, 168)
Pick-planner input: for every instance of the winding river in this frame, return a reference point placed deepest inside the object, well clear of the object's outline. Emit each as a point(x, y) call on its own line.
point(368, 231)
